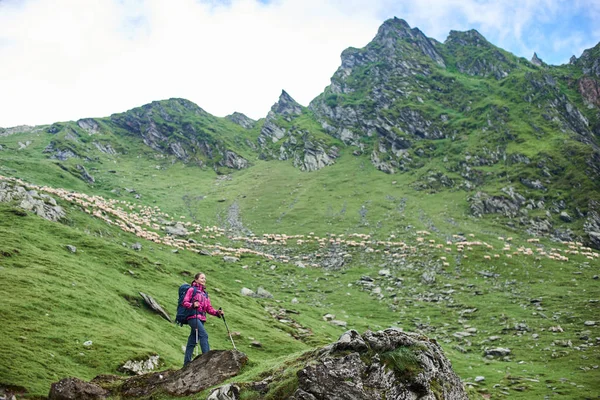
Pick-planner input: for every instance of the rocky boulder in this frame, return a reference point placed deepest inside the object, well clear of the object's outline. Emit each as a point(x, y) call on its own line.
point(592, 224)
point(177, 230)
point(76, 389)
point(140, 367)
point(204, 371)
point(30, 200)
point(388, 364)
point(85, 175)
point(157, 308)
point(89, 125)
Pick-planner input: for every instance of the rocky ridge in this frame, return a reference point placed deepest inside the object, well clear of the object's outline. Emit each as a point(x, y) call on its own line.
point(165, 127)
point(299, 145)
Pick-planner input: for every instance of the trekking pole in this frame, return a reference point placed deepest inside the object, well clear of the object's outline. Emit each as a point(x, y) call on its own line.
point(197, 322)
point(226, 327)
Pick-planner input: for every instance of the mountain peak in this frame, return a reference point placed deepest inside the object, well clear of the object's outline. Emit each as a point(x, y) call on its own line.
point(286, 105)
point(241, 119)
point(535, 60)
point(464, 38)
point(396, 28)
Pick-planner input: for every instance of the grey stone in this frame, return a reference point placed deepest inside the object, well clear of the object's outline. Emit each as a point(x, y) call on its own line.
point(140, 367)
point(361, 374)
point(85, 174)
point(328, 317)
point(76, 389)
point(336, 322)
point(261, 292)
point(153, 304)
point(177, 230)
point(497, 352)
point(229, 391)
point(136, 246)
point(204, 371)
point(565, 217)
point(72, 248)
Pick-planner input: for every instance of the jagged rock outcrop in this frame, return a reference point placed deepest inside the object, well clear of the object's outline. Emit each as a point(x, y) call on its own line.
point(177, 229)
point(242, 120)
point(85, 175)
point(105, 148)
point(387, 364)
point(307, 152)
point(157, 308)
point(178, 127)
point(17, 129)
point(89, 125)
point(589, 62)
point(481, 203)
point(286, 108)
point(591, 225)
point(535, 60)
point(475, 56)
point(589, 88)
point(58, 153)
point(204, 371)
point(41, 204)
point(373, 81)
point(140, 367)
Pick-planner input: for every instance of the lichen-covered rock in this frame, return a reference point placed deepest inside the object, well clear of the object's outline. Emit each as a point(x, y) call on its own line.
point(30, 200)
point(387, 364)
point(140, 367)
point(76, 389)
point(225, 392)
point(206, 370)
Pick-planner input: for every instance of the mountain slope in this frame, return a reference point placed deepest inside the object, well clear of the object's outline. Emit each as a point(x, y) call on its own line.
point(446, 188)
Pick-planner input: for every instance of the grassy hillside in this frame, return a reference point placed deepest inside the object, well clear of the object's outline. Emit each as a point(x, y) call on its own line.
point(458, 123)
point(93, 294)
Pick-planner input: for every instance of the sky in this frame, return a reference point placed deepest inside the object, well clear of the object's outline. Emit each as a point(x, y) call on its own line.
point(68, 59)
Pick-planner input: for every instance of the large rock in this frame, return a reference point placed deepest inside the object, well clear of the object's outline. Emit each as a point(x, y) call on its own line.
point(41, 204)
point(153, 304)
point(140, 367)
point(374, 367)
point(591, 225)
point(76, 389)
point(85, 175)
point(225, 392)
point(177, 230)
point(205, 371)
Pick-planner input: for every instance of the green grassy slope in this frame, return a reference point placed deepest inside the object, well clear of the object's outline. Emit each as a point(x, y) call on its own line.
point(92, 295)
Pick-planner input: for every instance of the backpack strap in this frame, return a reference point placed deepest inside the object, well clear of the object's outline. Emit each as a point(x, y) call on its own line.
point(194, 294)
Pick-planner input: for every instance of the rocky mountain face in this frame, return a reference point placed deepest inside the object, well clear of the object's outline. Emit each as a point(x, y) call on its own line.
point(363, 105)
point(413, 103)
point(242, 120)
point(282, 138)
point(520, 138)
point(169, 127)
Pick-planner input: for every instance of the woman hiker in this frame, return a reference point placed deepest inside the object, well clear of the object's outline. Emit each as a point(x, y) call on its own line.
point(200, 304)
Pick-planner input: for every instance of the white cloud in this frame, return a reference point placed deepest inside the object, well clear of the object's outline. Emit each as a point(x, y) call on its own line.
point(69, 59)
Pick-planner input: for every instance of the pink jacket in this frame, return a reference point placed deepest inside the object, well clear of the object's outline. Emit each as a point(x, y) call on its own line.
point(203, 302)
